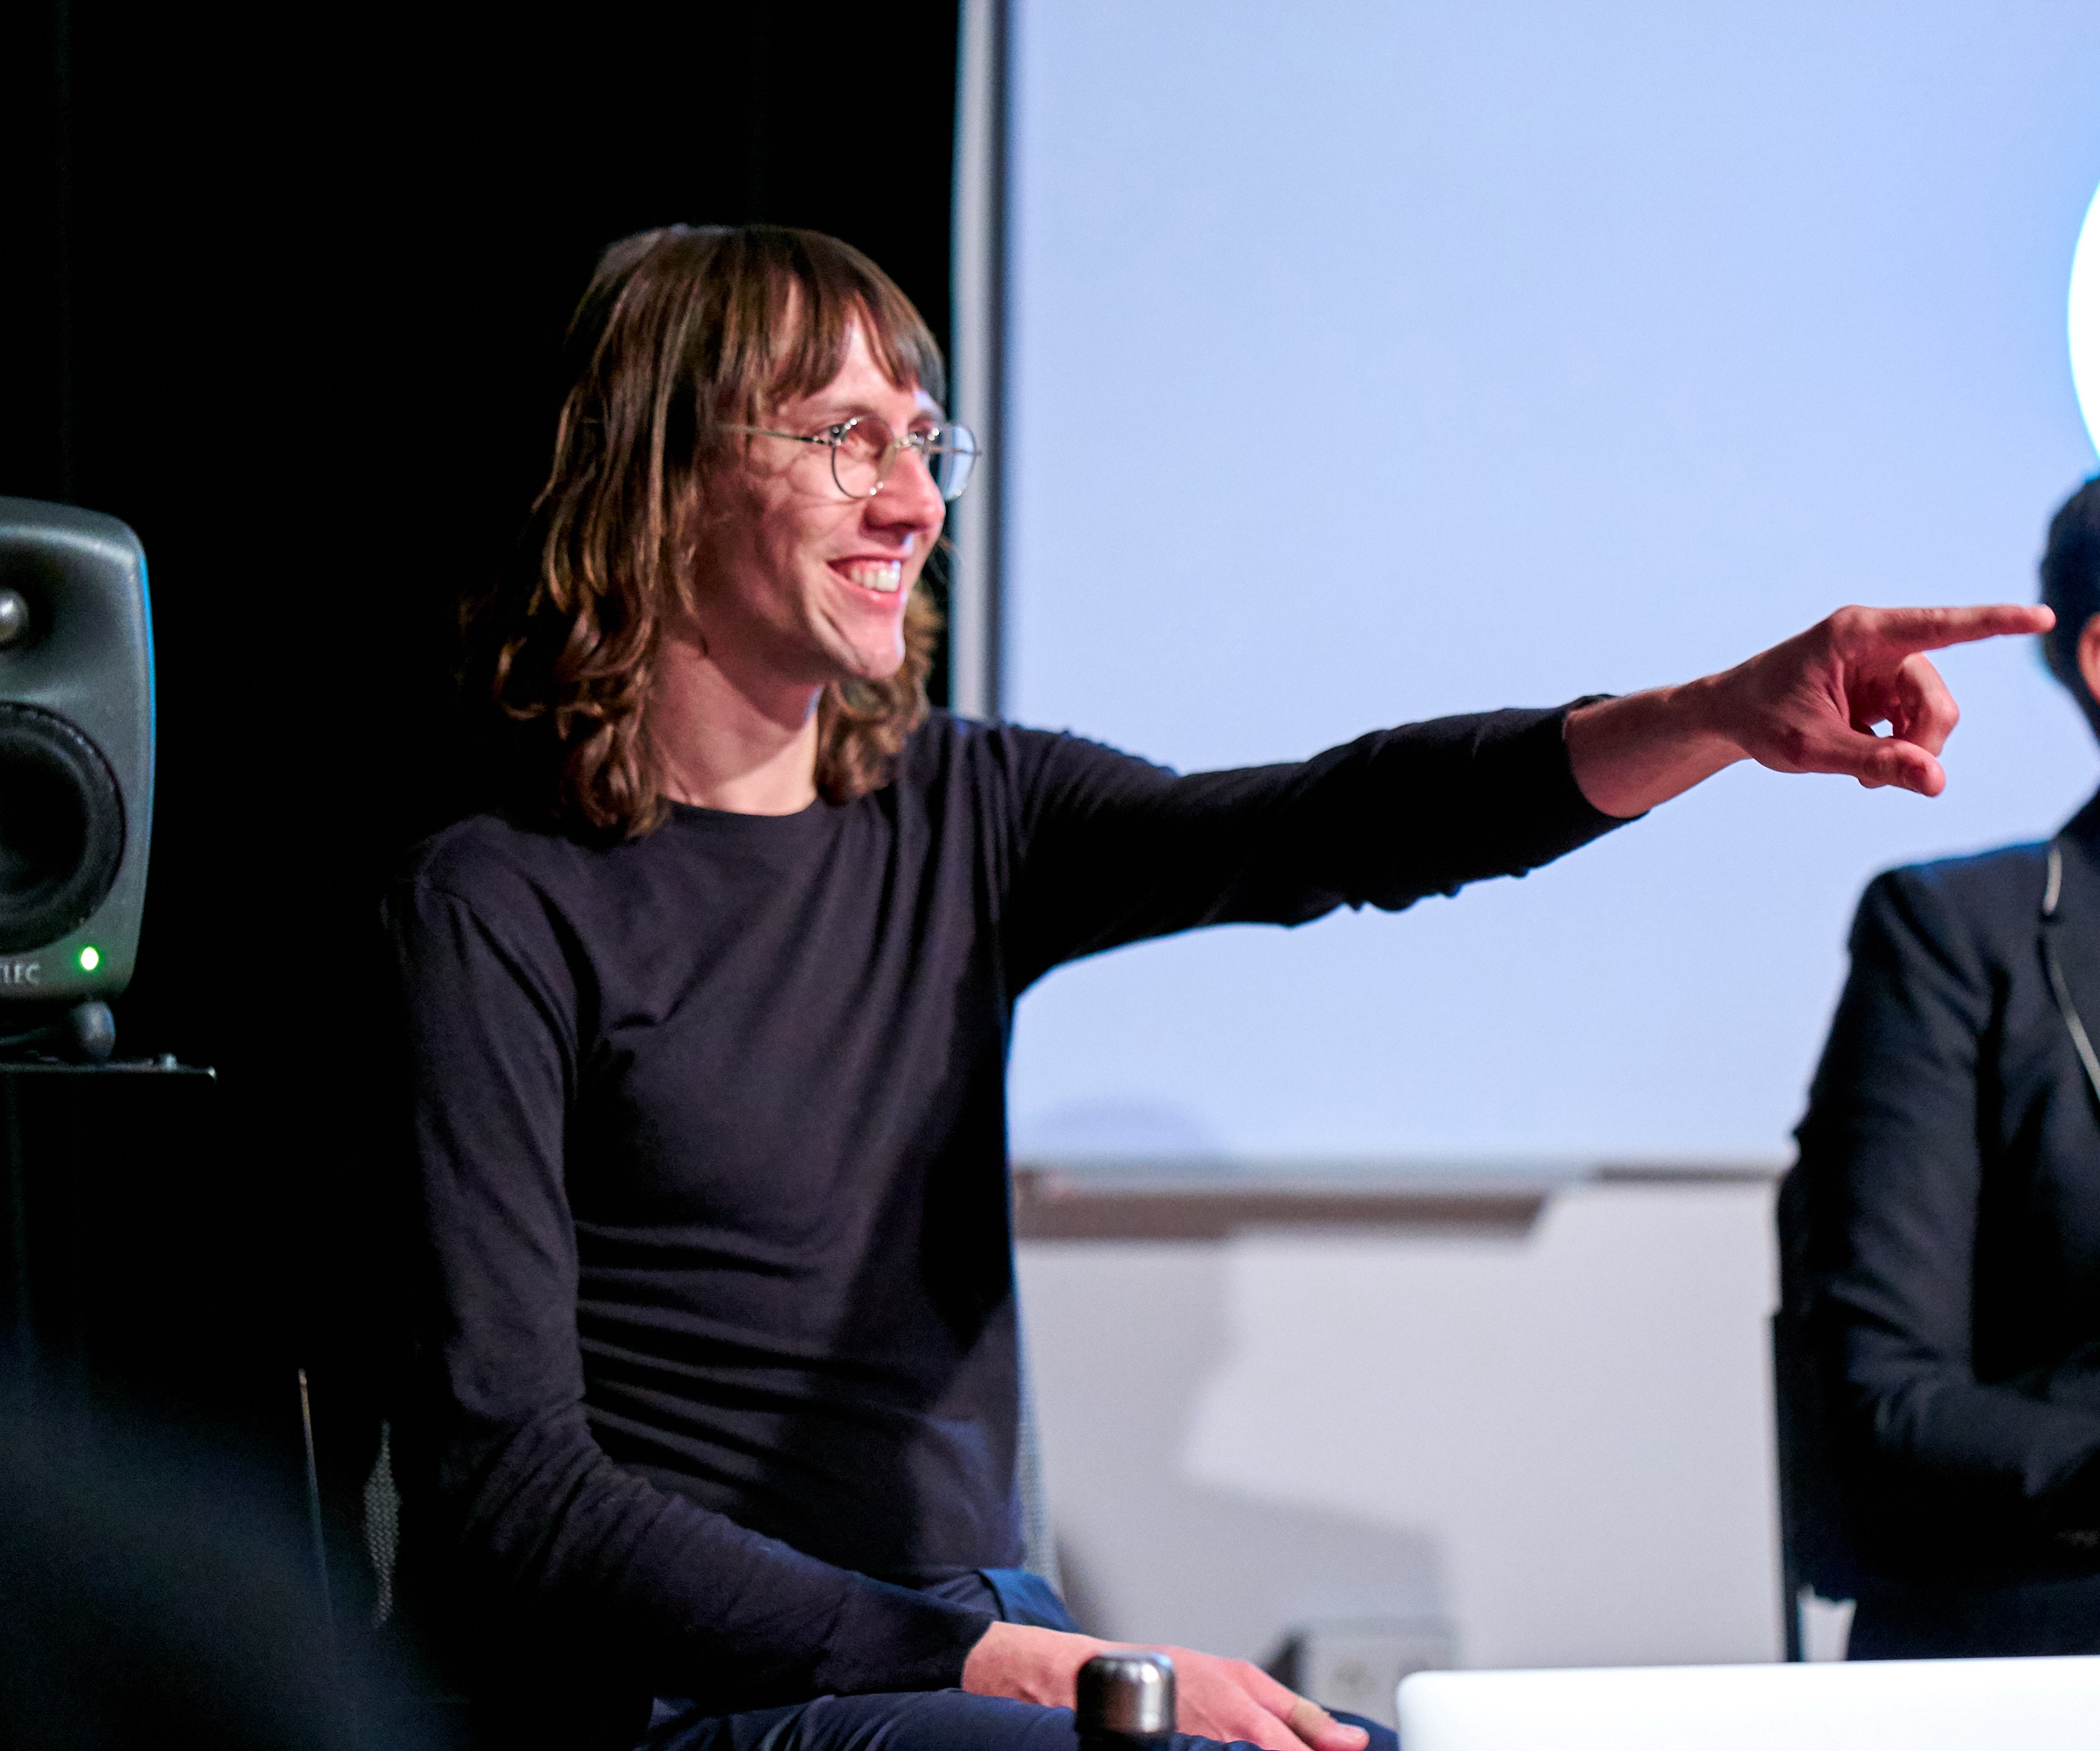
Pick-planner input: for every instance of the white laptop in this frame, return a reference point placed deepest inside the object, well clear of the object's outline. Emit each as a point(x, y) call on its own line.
point(1864, 1705)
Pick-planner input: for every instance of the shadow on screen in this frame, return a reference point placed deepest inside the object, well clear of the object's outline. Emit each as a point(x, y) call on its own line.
point(1149, 1552)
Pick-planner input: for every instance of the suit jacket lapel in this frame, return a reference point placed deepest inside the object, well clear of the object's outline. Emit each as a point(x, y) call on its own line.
point(2076, 930)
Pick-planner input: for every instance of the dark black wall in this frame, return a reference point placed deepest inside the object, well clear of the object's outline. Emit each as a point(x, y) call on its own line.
point(283, 289)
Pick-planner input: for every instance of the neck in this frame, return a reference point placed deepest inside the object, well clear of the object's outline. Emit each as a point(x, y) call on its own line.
point(728, 741)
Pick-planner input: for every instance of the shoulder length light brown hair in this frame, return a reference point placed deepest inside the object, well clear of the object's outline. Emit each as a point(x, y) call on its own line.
point(681, 332)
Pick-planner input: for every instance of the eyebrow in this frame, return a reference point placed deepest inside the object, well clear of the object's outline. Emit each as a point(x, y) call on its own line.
point(833, 412)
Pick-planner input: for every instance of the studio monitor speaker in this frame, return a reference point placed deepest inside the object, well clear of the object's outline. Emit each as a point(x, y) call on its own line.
point(75, 753)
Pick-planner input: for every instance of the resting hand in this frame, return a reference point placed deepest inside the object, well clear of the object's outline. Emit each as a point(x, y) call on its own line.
point(1219, 1699)
point(1808, 705)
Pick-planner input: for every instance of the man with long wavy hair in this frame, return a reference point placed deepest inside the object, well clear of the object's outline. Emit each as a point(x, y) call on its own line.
point(715, 1398)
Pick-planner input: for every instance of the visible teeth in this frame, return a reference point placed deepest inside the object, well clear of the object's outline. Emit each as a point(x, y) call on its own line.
point(871, 574)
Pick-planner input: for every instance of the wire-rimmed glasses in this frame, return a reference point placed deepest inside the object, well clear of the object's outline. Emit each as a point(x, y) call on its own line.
point(864, 449)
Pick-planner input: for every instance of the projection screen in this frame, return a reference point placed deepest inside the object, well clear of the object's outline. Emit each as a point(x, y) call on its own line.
point(1369, 362)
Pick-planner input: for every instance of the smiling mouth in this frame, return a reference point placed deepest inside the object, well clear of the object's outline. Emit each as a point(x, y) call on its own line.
point(885, 577)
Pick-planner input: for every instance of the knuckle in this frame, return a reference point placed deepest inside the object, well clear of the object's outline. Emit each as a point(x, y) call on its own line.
point(1792, 744)
point(1850, 621)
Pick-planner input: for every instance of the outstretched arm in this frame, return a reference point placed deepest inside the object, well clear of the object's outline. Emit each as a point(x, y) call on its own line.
point(1808, 705)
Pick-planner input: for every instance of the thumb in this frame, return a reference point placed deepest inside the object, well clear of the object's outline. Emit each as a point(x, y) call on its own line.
point(1879, 761)
point(1321, 1731)
point(1875, 761)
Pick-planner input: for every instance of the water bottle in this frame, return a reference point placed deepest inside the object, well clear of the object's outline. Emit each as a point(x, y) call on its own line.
point(1126, 1702)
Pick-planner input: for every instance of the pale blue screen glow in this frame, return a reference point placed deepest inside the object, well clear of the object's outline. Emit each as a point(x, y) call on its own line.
point(2085, 318)
point(1373, 361)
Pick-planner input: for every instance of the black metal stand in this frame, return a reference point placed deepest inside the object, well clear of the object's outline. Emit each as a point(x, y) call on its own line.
point(86, 1033)
point(151, 1425)
point(123, 1230)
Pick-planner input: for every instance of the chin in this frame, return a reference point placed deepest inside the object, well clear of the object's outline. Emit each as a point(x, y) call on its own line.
point(848, 663)
point(881, 668)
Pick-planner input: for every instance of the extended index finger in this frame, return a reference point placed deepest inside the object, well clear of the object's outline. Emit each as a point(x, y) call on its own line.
point(1910, 630)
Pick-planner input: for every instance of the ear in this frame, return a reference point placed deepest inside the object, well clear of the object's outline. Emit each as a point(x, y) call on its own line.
point(2089, 660)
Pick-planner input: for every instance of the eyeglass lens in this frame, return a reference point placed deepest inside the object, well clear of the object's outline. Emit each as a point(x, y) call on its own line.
point(863, 460)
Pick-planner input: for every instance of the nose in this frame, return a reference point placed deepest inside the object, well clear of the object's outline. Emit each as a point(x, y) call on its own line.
point(908, 499)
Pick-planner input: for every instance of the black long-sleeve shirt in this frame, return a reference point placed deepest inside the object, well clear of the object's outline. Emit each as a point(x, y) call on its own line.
point(718, 1347)
point(1951, 1193)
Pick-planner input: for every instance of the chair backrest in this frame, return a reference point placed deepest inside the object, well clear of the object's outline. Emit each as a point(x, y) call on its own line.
point(1817, 1551)
point(1036, 1529)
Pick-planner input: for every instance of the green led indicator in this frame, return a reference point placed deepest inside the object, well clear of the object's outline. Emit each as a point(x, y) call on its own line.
point(90, 958)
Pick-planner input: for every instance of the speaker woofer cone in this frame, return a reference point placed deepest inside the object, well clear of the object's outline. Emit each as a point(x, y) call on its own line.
point(61, 827)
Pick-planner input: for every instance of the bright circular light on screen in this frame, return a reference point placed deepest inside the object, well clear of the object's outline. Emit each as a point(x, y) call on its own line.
point(2085, 321)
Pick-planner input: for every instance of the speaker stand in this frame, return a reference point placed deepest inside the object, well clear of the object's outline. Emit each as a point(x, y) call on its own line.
point(86, 1033)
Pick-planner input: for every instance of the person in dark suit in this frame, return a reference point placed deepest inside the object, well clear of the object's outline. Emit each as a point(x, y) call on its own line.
point(1942, 1227)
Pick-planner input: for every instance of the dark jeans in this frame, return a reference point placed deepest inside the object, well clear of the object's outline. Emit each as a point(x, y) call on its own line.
point(1947, 1621)
point(930, 1720)
point(927, 1720)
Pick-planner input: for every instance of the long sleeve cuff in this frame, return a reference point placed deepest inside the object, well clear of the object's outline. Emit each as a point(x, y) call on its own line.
point(888, 1638)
